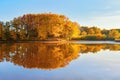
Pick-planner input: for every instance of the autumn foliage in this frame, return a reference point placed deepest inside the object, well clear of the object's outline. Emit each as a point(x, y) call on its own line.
point(40, 27)
point(48, 26)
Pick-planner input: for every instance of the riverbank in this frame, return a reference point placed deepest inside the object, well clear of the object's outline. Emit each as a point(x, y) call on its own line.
point(41, 41)
point(64, 41)
point(94, 42)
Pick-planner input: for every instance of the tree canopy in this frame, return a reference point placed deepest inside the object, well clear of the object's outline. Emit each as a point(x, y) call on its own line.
point(44, 26)
point(48, 26)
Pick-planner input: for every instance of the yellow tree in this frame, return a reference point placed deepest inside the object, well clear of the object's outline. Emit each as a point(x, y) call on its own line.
point(75, 28)
point(91, 31)
point(22, 34)
point(47, 25)
point(114, 34)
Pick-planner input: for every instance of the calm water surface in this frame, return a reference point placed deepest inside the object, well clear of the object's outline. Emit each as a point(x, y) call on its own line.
point(69, 61)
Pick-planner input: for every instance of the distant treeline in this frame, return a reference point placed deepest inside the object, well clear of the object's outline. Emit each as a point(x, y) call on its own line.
point(94, 33)
point(49, 26)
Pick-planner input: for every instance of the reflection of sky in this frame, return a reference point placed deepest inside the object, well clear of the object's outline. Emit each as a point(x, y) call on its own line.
point(103, 65)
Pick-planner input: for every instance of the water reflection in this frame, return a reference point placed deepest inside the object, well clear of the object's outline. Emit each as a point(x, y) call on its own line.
point(48, 56)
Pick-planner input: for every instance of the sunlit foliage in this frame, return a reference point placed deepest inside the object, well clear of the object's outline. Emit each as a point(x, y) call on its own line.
point(48, 26)
point(45, 26)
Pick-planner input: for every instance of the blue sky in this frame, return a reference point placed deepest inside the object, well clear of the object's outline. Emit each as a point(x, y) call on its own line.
point(101, 13)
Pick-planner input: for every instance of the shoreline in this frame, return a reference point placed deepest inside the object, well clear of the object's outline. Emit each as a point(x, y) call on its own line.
point(30, 41)
point(95, 42)
point(65, 41)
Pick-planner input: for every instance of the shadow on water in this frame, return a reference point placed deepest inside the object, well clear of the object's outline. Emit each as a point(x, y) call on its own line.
point(48, 56)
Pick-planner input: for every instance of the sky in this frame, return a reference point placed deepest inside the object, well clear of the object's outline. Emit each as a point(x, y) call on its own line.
point(100, 13)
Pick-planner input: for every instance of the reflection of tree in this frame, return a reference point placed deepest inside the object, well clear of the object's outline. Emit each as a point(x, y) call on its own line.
point(91, 48)
point(85, 48)
point(38, 55)
point(47, 56)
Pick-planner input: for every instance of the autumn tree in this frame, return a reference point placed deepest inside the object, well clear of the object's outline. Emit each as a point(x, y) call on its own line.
point(13, 35)
point(45, 26)
point(1, 30)
point(48, 26)
point(114, 34)
point(7, 31)
point(91, 31)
